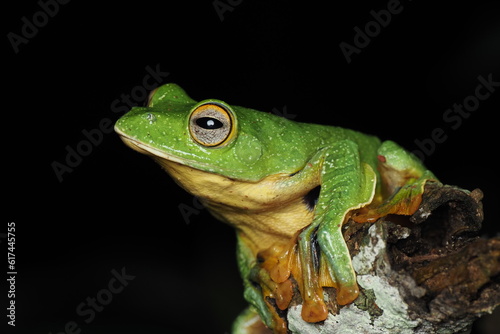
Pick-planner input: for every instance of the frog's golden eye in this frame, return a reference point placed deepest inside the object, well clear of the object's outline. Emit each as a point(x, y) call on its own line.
point(211, 125)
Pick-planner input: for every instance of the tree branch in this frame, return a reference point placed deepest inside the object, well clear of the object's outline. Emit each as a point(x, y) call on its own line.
point(428, 273)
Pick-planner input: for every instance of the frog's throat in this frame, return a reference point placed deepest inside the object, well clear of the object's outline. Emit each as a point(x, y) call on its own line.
point(265, 211)
point(261, 210)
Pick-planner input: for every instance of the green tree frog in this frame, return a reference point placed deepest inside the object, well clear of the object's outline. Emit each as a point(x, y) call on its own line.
point(286, 187)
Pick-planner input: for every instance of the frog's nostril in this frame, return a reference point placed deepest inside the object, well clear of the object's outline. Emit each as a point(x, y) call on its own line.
point(150, 117)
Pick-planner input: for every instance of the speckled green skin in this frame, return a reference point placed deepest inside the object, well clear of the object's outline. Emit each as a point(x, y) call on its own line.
point(345, 163)
point(265, 144)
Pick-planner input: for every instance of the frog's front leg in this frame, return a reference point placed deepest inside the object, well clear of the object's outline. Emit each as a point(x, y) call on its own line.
point(346, 184)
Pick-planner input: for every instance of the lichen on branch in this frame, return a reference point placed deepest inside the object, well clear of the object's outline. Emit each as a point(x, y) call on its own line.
point(427, 273)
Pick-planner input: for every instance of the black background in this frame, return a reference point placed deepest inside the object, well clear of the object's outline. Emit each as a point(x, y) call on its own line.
point(117, 209)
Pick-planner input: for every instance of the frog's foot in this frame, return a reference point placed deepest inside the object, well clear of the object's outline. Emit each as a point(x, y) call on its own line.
point(273, 275)
point(404, 201)
point(403, 178)
point(281, 273)
point(285, 268)
point(334, 249)
point(312, 286)
point(249, 322)
point(276, 266)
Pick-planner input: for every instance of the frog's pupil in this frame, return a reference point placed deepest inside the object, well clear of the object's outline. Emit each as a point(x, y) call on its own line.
point(209, 123)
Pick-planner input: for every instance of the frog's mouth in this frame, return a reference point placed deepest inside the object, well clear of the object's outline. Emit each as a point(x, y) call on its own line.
point(142, 148)
point(165, 159)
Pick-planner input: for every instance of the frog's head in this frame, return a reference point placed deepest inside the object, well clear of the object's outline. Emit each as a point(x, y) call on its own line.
point(231, 158)
point(209, 136)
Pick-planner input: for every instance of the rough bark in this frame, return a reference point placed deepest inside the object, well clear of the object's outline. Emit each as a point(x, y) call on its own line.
point(428, 273)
